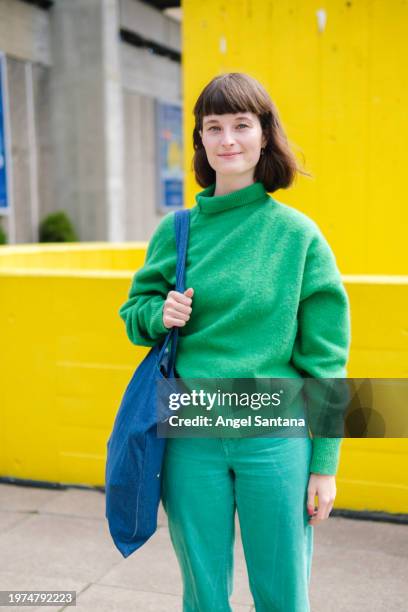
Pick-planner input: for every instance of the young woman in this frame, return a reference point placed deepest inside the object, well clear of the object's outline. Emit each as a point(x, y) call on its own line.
point(264, 299)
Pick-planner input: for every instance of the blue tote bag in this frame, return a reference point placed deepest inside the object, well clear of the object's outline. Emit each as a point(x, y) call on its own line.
point(134, 452)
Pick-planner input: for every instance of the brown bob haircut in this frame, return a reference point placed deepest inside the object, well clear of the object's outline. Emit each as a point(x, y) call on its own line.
point(235, 92)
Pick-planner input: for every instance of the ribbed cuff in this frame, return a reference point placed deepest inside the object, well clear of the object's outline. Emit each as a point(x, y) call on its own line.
point(157, 326)
point(325, 455)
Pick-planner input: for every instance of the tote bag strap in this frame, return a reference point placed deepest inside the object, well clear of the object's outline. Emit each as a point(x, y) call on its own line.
point(181, 227)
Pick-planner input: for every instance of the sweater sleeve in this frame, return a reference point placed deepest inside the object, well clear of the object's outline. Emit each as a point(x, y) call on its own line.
point(143, 310)
point(321, 347)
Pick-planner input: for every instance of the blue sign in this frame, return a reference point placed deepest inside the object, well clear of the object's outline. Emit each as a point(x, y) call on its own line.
point(170, 155)
point(173, 192)
point(3, 168)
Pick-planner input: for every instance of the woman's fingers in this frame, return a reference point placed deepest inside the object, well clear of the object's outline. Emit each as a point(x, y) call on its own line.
point(171, 312)
point(182, 308)
point(170, 322)
point(179, 297)
point(324, 488)
point(321, 512)
point(172, 317)
point(177, 309)
point(311, 493)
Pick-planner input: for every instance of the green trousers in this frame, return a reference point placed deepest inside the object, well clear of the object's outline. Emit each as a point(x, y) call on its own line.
point(205, 481)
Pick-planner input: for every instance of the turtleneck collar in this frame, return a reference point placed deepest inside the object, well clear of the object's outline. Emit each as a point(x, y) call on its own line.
point(209, 203)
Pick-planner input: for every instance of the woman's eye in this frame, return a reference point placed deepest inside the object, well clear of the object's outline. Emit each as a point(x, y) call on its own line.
point(215, 127)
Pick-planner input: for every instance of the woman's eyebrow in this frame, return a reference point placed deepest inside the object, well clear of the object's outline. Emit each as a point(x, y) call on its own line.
point(236, 118)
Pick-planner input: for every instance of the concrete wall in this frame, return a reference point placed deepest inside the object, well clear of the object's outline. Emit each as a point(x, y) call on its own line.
point(75, 89)
point(43, 141)
point(85, 103)
point(145, 76)
point(25, 31)
point(25, 41)
point(32, 178)
point(20, 150)
point(140, 165)
point(150, 23)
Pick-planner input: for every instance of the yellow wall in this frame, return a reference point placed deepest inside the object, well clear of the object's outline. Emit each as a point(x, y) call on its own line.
point(66, 361)
point(341, 97)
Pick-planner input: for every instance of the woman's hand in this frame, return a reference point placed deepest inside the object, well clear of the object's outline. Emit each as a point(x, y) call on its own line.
point(177, 308)
point(324, 486)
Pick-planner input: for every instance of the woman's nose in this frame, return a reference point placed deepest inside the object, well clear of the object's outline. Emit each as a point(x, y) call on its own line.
point(227, 138)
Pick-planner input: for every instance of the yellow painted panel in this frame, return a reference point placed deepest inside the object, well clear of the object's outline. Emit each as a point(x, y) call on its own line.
point(73, 256)
point(66, 363)
point(68, 360)
point(373, 475)
point(341, 93)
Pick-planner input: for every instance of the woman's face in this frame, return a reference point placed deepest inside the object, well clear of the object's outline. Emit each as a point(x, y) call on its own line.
point(232, 142)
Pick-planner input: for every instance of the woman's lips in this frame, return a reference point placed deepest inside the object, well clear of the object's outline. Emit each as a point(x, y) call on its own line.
point(229, 154)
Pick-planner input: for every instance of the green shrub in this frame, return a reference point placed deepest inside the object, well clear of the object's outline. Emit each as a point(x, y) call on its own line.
point(3, 236)
point(56, 227)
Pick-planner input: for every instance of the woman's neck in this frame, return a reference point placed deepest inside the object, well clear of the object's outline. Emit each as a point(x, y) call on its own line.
point(228, 184)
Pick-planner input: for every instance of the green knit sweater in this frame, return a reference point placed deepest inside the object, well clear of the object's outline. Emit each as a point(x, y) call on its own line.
point(268, 297)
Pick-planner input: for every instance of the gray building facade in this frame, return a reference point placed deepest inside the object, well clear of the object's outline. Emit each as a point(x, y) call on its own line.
point(81, 80)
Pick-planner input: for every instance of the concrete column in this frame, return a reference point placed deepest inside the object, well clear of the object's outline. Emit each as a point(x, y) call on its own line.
point(87, 115)
point(114, 122)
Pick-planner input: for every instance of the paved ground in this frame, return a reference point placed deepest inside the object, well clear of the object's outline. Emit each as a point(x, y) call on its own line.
point(59, 539)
